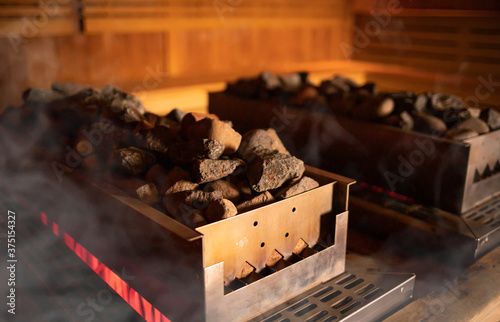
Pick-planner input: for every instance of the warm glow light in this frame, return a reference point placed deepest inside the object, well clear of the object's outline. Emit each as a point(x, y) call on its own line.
point(386, 192)
point(134, 299)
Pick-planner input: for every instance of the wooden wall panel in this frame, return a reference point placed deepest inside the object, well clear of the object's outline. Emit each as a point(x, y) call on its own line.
point(186, 41)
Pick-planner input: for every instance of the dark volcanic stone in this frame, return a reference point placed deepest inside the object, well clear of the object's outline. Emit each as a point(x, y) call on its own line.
point(270, 169)
point(187, 152)
point(132, 160)
point(210, 170)
point(428, 124)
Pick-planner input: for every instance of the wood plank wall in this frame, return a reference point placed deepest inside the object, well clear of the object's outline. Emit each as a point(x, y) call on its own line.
point(157, 43)
point(463, 44)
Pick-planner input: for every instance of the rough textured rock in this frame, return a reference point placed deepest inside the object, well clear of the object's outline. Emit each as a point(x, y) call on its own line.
point(270, 169)
point(258, 201)
point(200, 199)
point(176, 115)
point(492, 118)
point(228, 190)
point(267, 139)
point(132, 160)
point(215, 130)
point(304, 184)
point(182, 185)
point(245, 190)
point(220, 209)
point(186, 152)
point(183, 201)
point(148, 193)
point(174, 175)
point(191, 118)
point(122, 105)
point(157, 141)
point(443, 101)
point(303, 95)
point(461, 134)
point(68, 88)
point(301, 245)
point(156, 174)
point(194, 218)
point(428, 124)
point(291, 82)
point(210, 170)
point(475, 124)
point(270, 80)
point(274, 258)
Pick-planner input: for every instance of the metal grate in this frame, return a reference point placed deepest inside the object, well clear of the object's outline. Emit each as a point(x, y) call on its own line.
point(484, 222)
point(349, 296)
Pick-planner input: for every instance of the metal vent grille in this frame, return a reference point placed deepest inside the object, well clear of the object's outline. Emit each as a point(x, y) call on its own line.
point(347, 296)
point(487, 215)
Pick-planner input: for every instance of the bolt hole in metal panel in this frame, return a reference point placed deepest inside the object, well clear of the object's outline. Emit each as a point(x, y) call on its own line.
point(373, 296)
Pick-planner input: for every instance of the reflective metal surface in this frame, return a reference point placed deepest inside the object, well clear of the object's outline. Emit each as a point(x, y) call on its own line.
point(347, 297)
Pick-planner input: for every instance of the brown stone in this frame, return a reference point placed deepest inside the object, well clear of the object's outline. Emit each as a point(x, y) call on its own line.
point(270, 169)
point(190, 118)
point(303, 185)
point(228, 190)
point(220, 209)
point(182, 185)
point(258, 201)
point(245, 190)
point(132, 160)
point(245, 270)
point(174, 175)
point(186, 152)
point(267, 139)
point(301, 245)
point(200, 199)
point(274, 258)
point(215, 130)
point(210, 170)
point(156, 174)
